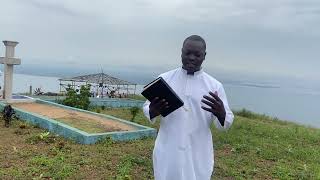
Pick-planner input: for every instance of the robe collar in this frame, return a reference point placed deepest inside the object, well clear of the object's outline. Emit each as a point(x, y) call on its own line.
point(194, 74)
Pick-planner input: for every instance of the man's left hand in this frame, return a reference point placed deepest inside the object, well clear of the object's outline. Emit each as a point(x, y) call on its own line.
point(215, 106)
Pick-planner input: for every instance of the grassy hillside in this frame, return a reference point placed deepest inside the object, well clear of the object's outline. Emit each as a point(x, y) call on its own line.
point(256, 147)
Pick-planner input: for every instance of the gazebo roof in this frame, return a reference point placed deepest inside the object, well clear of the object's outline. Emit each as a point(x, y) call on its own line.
point(98, 78)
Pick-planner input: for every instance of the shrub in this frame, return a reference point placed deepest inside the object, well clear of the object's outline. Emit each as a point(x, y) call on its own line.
point(78, 100)
point(134, 111)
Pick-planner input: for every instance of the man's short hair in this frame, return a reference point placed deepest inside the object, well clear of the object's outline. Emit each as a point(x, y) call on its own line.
point(195, 38)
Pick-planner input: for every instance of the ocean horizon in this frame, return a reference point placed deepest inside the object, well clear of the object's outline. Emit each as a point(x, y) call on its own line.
point(295, 103)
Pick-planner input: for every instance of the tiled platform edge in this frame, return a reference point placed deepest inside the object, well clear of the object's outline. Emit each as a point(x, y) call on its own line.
point(78, 135)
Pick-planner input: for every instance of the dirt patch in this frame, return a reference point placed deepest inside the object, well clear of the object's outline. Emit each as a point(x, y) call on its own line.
point(87, 122)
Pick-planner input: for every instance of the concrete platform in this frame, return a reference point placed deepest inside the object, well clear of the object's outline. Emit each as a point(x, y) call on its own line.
point(78, 135)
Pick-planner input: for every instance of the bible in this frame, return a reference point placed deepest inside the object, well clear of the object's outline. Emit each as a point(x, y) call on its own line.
point(160, 88)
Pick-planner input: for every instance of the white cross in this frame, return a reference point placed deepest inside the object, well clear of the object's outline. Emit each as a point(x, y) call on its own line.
point(9, 60)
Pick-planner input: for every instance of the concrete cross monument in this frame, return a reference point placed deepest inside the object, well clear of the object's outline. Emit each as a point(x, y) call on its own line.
point(9, 60)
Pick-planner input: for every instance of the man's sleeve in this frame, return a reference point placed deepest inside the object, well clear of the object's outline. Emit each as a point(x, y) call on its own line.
point(229, 115)
point(146, 111)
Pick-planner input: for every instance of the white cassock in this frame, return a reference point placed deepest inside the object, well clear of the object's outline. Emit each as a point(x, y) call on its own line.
point(183, 148)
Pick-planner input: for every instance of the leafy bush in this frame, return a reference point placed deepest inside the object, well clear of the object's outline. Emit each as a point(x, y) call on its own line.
point(7, 114)
point(98, 110)
point(78, 100)
point(134, 111)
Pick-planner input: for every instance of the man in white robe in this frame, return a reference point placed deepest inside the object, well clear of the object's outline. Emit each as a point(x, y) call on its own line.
point(183, 147)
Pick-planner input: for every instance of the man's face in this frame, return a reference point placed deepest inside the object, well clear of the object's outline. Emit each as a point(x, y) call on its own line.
point(193, 54)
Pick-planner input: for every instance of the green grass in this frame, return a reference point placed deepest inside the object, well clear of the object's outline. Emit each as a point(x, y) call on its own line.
point(86, 126)
point(256, 147)
point(125, 113)
point(136, 97)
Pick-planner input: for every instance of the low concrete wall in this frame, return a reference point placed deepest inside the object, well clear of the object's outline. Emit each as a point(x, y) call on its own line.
point(78, 135)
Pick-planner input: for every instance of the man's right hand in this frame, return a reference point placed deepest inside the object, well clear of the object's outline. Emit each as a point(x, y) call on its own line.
point(157, 106)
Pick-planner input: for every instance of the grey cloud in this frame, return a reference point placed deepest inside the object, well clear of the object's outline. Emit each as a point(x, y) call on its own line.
point(279, 35)
point(52, 7)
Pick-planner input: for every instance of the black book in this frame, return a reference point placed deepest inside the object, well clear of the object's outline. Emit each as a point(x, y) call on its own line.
point(160, 88)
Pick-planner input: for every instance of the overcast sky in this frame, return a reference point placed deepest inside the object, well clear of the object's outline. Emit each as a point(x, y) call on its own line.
point(279, 37)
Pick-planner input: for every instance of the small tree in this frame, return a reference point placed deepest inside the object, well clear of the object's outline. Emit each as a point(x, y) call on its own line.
point(71, 98)
point(83, 97)
point(134, 111)
point(8, 111)
point(77, 100)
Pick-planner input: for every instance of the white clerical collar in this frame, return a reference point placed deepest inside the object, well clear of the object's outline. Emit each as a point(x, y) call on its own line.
point(194, 74)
